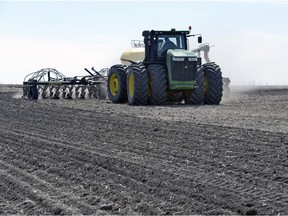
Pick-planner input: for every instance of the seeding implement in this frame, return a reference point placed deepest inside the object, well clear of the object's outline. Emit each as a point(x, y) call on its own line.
point(50, 83)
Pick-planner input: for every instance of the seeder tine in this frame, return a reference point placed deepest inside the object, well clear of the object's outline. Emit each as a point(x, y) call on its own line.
point(77, 91)
point(44, 92)
point(68, 91)
point(82, 92)
point(90, 91)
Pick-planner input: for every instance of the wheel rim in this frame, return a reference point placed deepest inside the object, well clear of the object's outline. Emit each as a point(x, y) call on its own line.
point(131, 85)
point(114, 84)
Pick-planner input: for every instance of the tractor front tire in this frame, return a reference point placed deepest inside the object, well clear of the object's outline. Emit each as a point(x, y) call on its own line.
point(117, 84)
point(157, 84)
point(213, 89)
point(137, 85)
point(196, 96)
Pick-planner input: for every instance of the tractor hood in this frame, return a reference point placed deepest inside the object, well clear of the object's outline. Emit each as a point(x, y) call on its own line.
point(182, 69)
point(181, 53)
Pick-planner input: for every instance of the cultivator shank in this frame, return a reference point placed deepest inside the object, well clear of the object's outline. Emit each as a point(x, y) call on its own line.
point(49, 83)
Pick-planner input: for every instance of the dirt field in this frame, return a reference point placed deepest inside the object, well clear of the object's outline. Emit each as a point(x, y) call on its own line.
point(94, 157)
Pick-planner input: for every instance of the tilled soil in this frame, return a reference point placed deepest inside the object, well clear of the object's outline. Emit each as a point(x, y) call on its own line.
point(94, 157)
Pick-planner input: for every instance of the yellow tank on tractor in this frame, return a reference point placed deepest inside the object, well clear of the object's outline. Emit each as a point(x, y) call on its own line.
point(163, 69)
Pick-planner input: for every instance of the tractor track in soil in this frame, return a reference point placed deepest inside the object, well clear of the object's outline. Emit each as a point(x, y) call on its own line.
point(94, 157)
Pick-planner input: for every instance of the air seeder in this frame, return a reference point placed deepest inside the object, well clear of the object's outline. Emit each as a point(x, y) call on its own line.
point(50, 83)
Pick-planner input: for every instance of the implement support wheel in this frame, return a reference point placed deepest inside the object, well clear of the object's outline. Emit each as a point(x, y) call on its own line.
point(33, 92)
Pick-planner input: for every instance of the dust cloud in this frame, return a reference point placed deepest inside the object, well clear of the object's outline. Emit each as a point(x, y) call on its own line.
point(17, 95)
point(252, 58)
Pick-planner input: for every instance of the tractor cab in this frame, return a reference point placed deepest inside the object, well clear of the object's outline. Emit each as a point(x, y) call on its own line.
point(166, 42)
point(157, 43)
point(170, 49)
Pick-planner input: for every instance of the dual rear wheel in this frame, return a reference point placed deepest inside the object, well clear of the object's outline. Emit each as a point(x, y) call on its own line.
point(209, 86)
point(137, 85)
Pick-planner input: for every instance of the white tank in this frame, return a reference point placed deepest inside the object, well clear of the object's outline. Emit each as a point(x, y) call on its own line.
point(133, 55)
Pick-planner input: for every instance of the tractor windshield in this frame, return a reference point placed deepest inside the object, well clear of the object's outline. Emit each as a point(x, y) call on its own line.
point(166, 42)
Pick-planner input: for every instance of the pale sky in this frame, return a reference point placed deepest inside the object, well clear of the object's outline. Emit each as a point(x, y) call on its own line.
point(250, 38)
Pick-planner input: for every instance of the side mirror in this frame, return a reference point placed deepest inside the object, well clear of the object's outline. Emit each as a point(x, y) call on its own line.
point(199, 39)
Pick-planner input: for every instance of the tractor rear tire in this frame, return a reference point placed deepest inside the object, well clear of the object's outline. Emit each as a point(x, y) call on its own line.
point(213, 89)
point(157, 84)
point(196, 96)
point(137, 85)
point(117, 84)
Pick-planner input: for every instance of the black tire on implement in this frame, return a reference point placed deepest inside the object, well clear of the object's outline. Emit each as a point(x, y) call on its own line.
point(196, 96)
point(157, 84)
point(213, 89)
point(117, 84)
point(137, 85)
point(33, 92)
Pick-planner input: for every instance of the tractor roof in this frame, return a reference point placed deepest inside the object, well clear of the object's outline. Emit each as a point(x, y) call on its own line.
point(147, 33)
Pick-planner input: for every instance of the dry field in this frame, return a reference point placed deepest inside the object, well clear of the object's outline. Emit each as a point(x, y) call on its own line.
point(94, 157)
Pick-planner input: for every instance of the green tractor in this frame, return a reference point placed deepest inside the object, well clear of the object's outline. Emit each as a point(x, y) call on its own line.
point(168, 72)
